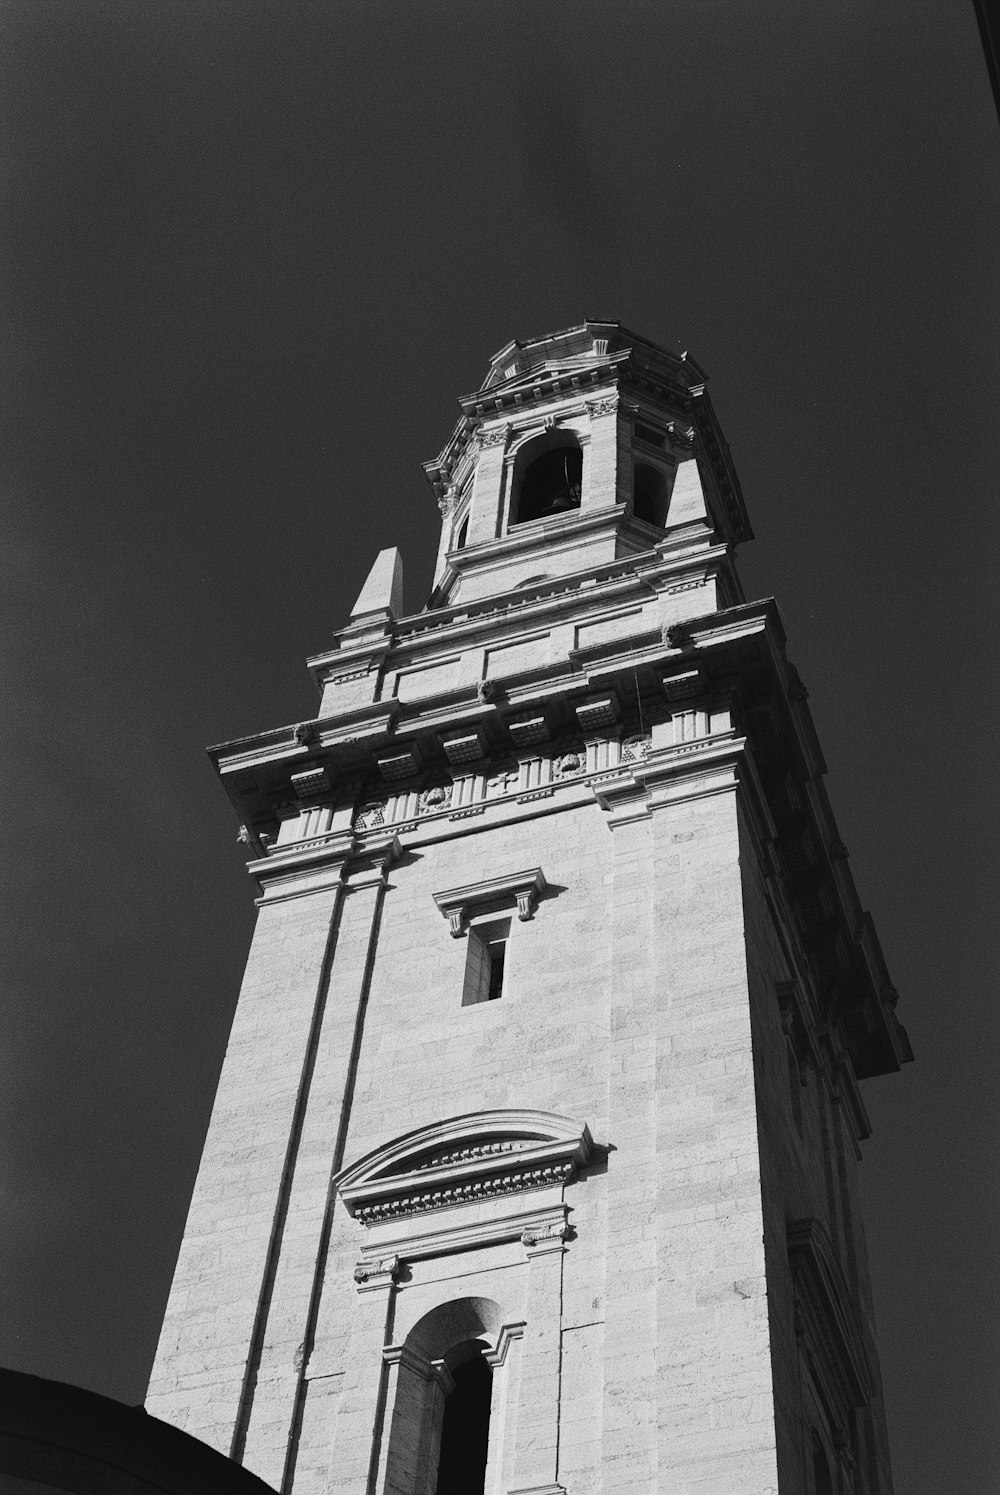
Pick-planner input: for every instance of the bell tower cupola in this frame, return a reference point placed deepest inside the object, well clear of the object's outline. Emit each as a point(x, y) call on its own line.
point(579, 448)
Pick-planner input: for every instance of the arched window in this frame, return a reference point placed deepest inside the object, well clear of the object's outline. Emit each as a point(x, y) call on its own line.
point(649, 494)
point(548, 478)
point(465, 1427)
point(439, 1430)
point(463, 534)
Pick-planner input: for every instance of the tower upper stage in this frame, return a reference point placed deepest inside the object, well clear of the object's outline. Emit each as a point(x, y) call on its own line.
point(579, 448)
point(587, 640)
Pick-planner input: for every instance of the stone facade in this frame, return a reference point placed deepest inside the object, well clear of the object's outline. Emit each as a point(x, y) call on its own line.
point(629, 1179)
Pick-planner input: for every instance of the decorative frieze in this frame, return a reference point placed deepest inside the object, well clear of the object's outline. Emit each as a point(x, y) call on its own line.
point(635, 749)
point(438, 797)
point(504, 781)
point(514, 1182)
point(568, 765)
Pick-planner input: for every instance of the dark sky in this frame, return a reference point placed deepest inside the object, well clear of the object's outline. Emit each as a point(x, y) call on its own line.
point(250, 256)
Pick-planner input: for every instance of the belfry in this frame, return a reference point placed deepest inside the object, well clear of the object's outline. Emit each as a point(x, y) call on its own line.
point(533, 1168)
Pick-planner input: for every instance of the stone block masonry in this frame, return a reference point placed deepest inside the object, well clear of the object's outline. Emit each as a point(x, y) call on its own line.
point(620, 1197)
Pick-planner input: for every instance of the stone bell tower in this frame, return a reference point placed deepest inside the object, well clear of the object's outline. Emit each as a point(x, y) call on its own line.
point(534, 1161)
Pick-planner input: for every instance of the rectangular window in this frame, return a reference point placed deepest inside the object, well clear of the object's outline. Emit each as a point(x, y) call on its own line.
point(495, 954)
point(485, 961)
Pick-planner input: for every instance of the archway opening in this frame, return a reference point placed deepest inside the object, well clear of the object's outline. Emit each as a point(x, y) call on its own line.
point(465, 1430)
point(551, 484)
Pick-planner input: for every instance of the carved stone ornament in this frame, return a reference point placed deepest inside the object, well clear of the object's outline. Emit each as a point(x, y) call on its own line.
point(634, 749)
point(381, 1273)
point(606, 406)
point(504, 781)
point(461, 1161)
point(567, 765)
point(448, 500)
point(552, 1236)
point(436, 798)
point(370, 815)
point(494, 438)
point(676, 635)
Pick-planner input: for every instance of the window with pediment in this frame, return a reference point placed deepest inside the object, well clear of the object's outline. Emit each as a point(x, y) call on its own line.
point(467, 1158)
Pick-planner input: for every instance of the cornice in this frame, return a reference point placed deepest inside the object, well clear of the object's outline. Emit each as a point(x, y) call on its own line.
point(619, 357)
point(649, 573)
point(366, 727)
point(737, 653)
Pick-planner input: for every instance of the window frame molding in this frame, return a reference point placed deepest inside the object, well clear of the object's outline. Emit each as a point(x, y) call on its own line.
point(525, 888)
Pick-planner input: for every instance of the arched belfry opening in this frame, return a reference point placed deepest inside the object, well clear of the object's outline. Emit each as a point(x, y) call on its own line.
point(650, 494)
point(548, 478)
point(465, 1426)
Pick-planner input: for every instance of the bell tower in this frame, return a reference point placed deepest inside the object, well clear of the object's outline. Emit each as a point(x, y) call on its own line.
point(533, 1168)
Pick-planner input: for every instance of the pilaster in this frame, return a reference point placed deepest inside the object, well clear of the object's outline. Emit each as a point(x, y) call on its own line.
point(272, 1411)
point(716, 1424)
point(359, 1425)
point(221, 1284)
point(487, 493)
point(629, 1456)
point(536, 1455)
